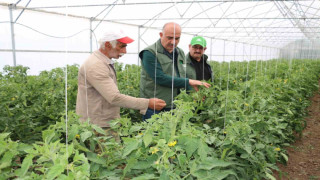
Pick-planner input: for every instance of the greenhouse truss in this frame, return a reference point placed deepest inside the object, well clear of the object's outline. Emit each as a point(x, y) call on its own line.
point(264, 66)
point(265, 27)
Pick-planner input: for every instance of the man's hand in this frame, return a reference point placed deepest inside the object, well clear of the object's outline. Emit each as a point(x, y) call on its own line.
point(196, 83)
point(157, 104)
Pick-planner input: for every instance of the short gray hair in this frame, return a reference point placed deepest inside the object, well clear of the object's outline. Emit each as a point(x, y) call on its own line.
point(113, 44)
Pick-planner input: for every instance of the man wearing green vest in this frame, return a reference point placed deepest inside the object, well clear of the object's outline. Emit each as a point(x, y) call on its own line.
point(163, 72)
point(197, 66)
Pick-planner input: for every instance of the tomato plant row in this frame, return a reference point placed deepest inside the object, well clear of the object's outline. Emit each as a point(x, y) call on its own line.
point(234, 130)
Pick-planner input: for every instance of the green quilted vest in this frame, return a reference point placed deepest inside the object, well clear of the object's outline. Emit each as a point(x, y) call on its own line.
point(148, 88)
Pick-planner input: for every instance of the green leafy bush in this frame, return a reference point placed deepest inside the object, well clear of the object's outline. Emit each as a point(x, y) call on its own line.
point(237, 129)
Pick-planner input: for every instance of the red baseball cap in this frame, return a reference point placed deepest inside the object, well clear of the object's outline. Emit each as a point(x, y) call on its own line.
point(125, 40)
point(118, 35)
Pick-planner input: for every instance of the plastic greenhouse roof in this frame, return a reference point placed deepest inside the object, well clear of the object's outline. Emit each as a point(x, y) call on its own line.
point(265, 23)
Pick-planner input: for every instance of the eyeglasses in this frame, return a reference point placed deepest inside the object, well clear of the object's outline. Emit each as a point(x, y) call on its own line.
point(197, 47)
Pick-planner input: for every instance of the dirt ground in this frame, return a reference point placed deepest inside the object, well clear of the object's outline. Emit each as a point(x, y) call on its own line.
point(304, 155)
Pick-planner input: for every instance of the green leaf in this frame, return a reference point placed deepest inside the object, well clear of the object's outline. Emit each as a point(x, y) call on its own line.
point(85, 135)
point(80, 147)
point(289, 112)
point(95, 158)
point(145, 176)
point(79, 157)
point(244, 155)
point(213, 174)
point(55, 171)
point(211, 163)
point(24, 147)
point(207, 127)
point(284, 156)
point(224, 153)
point(190, 144)
point(271, 155)
point(182, 158)
point(134, 128)
point(48, 135)
point(84, 169)
point(4, 136)
point(270, 176)
point(164, 175)
point(6, 160)
point(73, 132)
point(165, 133)
point(147, 163)
point(142, 165)
point(107, 174)
point(70, 150)
point(64, 177)
point(260, 146)
point(132, 144)
point(3, 147)
point(248, 147)
point(147, 138)
point(27, 162)
point(203, 150)
point(98, 129)
point(162, 142)
point(191, 147)
point(130, 163)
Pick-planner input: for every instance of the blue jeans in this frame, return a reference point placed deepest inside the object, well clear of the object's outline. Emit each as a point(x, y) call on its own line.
point(150, 112)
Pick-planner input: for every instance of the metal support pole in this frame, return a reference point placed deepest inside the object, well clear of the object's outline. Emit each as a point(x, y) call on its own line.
point(309, 50)
point(91, 19)
point(211, 49)
point(312, 50)
point(211, 59)
point(139, 28)
point(270, 55)
point(12, 6)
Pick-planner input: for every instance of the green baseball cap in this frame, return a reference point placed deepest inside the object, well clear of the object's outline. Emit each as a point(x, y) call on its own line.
point(198, 40)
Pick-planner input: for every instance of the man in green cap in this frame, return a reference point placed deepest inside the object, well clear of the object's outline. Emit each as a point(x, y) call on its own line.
point(163, 69)
point(197, 66)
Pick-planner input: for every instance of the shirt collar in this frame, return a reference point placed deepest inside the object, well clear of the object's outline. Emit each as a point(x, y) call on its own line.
point(100, 55)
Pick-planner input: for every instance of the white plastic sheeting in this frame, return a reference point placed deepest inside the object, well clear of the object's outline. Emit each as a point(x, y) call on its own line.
point(45, 30)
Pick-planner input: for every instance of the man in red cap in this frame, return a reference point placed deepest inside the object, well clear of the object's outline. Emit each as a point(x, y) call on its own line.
point(99, 99)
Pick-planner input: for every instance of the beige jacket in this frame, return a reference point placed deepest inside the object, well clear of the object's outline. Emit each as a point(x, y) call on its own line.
point(99, 99)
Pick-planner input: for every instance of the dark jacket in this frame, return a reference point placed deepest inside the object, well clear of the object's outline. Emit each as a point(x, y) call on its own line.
point(191, 70)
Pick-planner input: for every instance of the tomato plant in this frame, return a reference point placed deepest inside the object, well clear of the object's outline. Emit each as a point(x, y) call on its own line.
point(237, 129)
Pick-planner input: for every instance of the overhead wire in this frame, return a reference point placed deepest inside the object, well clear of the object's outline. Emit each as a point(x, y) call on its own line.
point(22, 11)
point(111, 6)
point(58, 37)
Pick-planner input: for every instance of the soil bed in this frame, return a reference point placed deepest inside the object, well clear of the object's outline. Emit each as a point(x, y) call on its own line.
point(304, 154)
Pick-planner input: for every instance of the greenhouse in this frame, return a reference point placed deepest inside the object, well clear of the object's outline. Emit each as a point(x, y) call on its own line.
point(164, 89)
